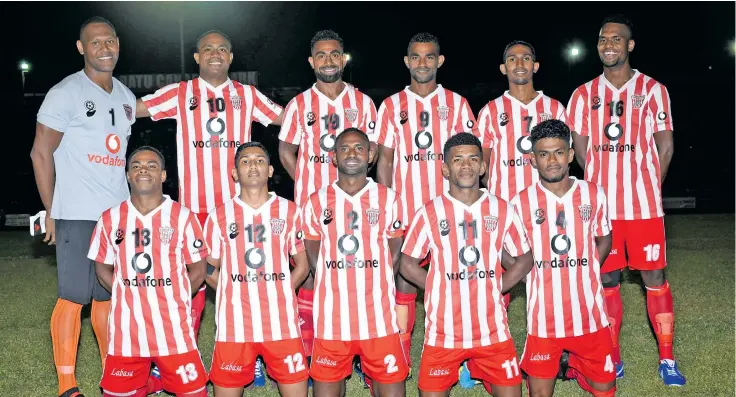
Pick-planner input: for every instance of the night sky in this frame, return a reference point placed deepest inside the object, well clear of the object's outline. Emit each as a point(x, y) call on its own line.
point(682, 45)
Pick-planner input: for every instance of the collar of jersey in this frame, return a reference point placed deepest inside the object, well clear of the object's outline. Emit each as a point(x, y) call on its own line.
point(425, 99)
point(508, 95)
point(92, 83)
point(263, 206)
point(623, 87)
point(344, 91)
point(483, 196)
point(567, 194)
point(356, 196)
point(219, 88)
point(150, 214)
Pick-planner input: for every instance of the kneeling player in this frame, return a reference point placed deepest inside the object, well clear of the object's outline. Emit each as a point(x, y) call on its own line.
point(149, 253)
point(359, 224)
point(466, 230)
point(251, 238)
point(567, 223)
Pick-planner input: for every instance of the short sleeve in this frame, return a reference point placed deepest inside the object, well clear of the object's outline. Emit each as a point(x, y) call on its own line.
point(193, 247)
point(100, 247)
point(577, 112)
point(369, 116)
point(296, 235)
point(396, 227)
point(212, 235)
point(660, 108)
point(164, 103)
point(385, 131)
point(57, 110)
point(310, 222)
point(265, 111)
point(485, 128)
point(515, 242)
point(416, 243)
point(290, 132)
point(602, 222)
point(466, 121)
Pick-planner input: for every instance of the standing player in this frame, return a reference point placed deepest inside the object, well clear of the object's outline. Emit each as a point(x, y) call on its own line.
point(312, 121)
point(413, 125)
point(251, 238)
point(567, 223)
point(622, 123)
point(466, 230)
point(353, 229)
point(507, 121)
point(149, 252)
point(213, 116)
point(83, 127)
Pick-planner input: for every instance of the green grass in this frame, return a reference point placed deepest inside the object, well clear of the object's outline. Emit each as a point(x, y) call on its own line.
point(701, 273)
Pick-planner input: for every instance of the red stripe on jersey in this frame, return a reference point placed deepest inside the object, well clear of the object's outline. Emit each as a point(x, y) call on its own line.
point(185, 173)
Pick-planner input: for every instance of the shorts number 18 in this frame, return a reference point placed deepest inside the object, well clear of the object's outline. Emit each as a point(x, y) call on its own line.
point(508, 365)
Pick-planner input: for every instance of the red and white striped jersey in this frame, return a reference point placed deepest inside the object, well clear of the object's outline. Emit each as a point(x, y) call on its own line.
point(417, 129)
point(151, 292)
point(255, 301)
point(622, 154)
point(462, 298)
point(506, 123)
point(564, 292)
point(312, 121)
point(354, 292)
point(211, 123)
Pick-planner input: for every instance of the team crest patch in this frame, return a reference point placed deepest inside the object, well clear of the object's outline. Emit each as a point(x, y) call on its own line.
point(237, 102)
point(372, 215)
point(545, 117)
point(193, 103)
point(351, 115)
point(595, 102)
point(277, 226)
point(585, 211)
point(490, 223)
point(637, 101)
point(443, 112)
point(165, 233)
point(444, 227)
point(128, 111)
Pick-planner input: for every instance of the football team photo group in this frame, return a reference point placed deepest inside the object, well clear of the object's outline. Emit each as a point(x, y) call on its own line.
point(409, 214)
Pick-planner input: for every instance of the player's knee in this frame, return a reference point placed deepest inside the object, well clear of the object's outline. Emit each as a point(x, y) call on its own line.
point(404, 286)
point(653, 278)
point(609, 392)
point(199, 393)
point(611, 279)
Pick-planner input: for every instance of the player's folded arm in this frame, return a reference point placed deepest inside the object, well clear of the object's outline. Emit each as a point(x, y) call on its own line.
point(301, 268)
point(411, 271)
point(517, 271)
point(104, 273)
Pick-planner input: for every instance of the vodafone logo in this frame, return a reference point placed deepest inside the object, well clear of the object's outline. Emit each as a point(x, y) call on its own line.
point(112, 143)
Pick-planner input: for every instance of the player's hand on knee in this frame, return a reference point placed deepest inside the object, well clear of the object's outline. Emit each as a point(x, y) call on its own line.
point(50, 230)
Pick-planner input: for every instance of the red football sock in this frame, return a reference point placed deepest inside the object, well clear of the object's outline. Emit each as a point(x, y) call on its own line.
point(304, 301)
point(662, 317)
point(198, 302)
point(408, 300)
point(615, 310)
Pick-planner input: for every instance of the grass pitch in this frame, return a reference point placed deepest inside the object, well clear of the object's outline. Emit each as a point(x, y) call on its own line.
point(700, 253)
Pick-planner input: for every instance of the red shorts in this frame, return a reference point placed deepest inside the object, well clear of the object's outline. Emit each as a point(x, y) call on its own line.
point(496, 364)
point(641, 240)
point(180, 373)
point(382, 359)
point(590, 354)
point(233, 364)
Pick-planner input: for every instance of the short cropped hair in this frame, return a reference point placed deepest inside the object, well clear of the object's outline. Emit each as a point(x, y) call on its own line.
point(550, 129)
point(239, 151)
point(224, 36)
point(96, 19)
point(324, 35)
point(424, 38)
point(461, 139)
point(620, 19)
point(148, 149)
point(520, 42)
point(350, 131)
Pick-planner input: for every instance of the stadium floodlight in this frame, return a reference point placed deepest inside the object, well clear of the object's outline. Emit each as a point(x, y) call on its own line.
point(732, 47)
point(348, 57)
point(24, 67)
point(574, 52)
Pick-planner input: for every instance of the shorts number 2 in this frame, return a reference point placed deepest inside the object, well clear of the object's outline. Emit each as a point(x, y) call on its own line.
point(390, 361)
